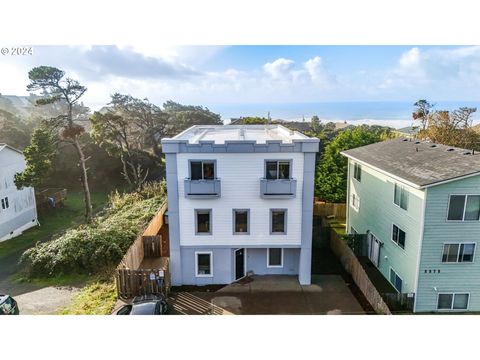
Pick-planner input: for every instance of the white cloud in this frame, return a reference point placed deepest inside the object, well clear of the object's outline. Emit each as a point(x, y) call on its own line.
point(280, 69)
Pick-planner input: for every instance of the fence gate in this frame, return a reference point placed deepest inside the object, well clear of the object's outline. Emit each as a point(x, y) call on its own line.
point(151, 246)
point(131, 283)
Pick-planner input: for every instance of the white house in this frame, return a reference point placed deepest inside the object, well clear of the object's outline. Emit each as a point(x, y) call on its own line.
point(18, 210)
point(240, 200)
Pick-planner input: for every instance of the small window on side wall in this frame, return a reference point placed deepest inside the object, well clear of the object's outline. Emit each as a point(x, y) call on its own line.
point(400, 196)
point(203, 221)
point(278, 221)
point(275, 257)
point(357, 172)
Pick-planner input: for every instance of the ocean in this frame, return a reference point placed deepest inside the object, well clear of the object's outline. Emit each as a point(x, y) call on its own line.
point(396, 114)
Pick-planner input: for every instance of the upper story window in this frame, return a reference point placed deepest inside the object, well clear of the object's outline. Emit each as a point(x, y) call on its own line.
point(241, 221)
point(203, 221)
point(464, 207)
point(279, 169)
point(400, 196)
point(278, 221)
point(357, 172)
point(202, 170)
point(456, 253)
point(398, 236)
point(4, 202)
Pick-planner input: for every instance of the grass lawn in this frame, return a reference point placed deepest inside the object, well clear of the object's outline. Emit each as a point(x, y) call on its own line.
point(54, 222)
point(98, 297)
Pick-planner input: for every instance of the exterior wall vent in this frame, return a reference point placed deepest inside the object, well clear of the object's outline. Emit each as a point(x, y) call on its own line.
point(450, 149)
point(433, 146)
point(417, 142)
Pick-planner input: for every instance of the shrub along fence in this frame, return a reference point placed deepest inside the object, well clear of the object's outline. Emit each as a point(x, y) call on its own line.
point(323, 209)
point(352, 266)
point(145, 267)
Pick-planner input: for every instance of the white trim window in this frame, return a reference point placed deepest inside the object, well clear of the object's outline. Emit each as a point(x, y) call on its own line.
point(355, 202)
point(274, 258)
point(396, 280)
point(458, 252)
point(400, 196)
point(463, 208)
point(398, 236)
point(453, 301)
point(357, 172)
point(278, 169)
point(203, 264)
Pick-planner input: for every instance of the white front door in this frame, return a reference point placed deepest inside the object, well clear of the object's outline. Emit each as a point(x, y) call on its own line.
point(374, 253)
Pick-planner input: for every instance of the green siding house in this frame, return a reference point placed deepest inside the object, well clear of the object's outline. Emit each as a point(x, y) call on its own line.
point(419, 205)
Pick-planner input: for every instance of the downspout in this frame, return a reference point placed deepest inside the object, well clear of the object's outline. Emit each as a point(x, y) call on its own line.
point(420, 242)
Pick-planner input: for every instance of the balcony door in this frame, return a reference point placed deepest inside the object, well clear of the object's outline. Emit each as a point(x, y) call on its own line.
point(374, 249)
point(239, 264)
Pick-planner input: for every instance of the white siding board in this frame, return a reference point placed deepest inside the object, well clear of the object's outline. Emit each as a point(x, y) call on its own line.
point(240, 175)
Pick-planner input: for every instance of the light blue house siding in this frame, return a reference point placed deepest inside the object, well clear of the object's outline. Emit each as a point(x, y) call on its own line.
point(447, 277)
point(377, 213)
point(224, 264)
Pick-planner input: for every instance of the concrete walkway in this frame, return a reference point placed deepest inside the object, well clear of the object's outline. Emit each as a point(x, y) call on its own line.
point(273, 295)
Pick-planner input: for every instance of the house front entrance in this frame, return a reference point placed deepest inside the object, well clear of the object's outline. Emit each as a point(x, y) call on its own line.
point(239, 263)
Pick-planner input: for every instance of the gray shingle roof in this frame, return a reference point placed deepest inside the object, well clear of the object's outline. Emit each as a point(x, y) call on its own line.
point(418, 162)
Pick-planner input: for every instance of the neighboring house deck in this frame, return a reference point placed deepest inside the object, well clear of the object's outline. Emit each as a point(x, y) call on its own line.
point(18, 210)
point(419, 204)
point(240, 202)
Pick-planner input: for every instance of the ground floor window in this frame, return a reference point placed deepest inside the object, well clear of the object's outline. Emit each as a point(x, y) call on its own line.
point(453, 301)
point(275, 257)
point(396, 280)
point(204, 264)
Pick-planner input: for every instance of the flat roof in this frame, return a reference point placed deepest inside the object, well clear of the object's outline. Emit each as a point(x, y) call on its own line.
point(5, 146)
point(419, 163)
point(260, 134)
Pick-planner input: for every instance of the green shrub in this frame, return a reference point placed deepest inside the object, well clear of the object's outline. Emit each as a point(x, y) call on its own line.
point(100, 245)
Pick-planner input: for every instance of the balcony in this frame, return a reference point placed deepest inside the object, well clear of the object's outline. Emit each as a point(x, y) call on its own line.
point(202, 189)
point(278, 189)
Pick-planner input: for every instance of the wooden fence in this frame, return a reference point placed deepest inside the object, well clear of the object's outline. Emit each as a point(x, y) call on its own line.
point(131, 283)
point(323, 209)
point(145, 269)
point(352, 265)
point(135, 254)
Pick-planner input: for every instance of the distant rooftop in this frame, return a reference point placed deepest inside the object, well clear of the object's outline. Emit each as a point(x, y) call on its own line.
point(221, 133)
point(419, 163)
point(5, 146)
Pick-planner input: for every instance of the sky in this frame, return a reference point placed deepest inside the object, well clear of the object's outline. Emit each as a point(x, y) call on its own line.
point(219, 75)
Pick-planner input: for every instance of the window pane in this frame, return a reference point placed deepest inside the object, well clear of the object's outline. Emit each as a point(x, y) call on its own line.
point(395, 233)
point(271, 170)
point(278, 221)
point(284, 170)
point(404, 199)
point(274, 257)
point(460, 301)
point(203, 221)
point(357, 172)
point(473, 207)
point(398, 284)
point(450, 253)
point(196, 170)
point(392, 276)
point(466, 252)
point(208, 170)
point(455, 209)
point(241, 219)
point(445, 301)
point(397, 195)
point(203, 261)
point(401, 238)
